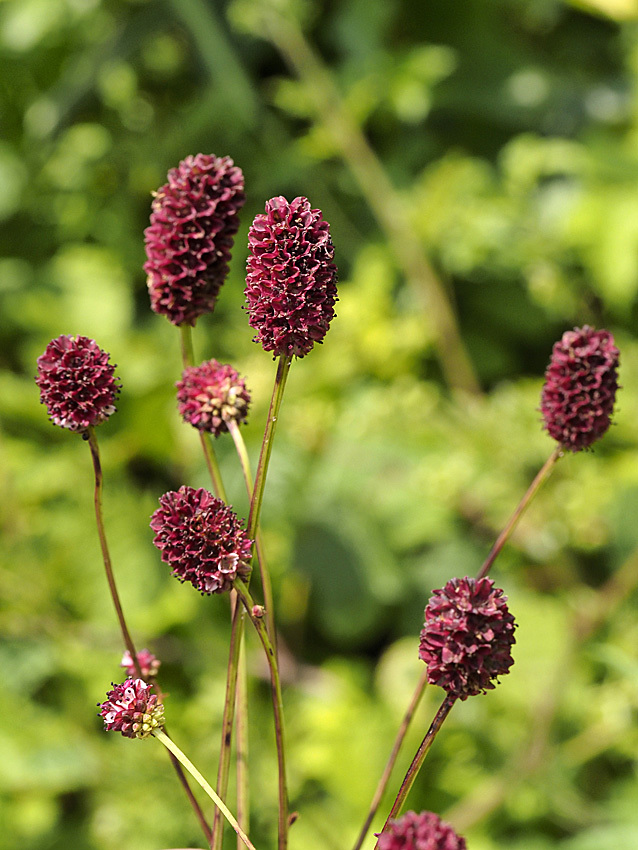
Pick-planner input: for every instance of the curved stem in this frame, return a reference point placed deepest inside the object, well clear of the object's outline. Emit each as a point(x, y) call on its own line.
point(106, 557)
point(278, 708)
point(419, 758)
point(385, 778)
point(533, 488)
point(197, 776)
point(283, 367)
point(264, 572)
point(243, 799)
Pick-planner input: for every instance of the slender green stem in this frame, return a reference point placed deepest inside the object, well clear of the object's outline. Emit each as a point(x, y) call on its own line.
point(197, 776)
point(283, 367)
point(106, 557)
point(278, 708)
point(419, 758)
point(212, 465)
point(228, 717)
point(542, 474)
point(128, 641)
point(385, 778)
point(186, 339)
point(243, 799)
point(264, 572)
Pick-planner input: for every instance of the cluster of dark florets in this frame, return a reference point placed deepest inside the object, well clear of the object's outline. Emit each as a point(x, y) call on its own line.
point(132, 709)
point(467, 637)
point(425, 831)
point(211, 396)
point(580, 387)
point(201, 539)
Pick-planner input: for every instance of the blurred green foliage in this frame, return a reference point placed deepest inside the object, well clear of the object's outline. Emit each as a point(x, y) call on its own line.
point(495, 142)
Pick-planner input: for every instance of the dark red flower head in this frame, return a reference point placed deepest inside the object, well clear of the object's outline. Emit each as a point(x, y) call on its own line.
point(580, 387)
point(291, 285)
point(194, 220)
point(77, 382)
point(425, 831)
point(132, 709)
point(201, 539)
point(467, 636)
point(211, 395)
point(149, 664)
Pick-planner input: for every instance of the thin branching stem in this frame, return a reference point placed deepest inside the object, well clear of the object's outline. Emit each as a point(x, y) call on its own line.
point(197, 776)
point(419, 758)
point(385, 778)
point(541, 476)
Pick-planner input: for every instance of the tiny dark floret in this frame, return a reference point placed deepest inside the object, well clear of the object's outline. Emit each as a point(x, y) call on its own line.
point(212, 395)
point(467, 637)
point(581, 380)
point(194, 219)
point(132, 709)
point(425, 831)
point(291, 284)
point(201, 539)
point(149, 664)
point(77, 382)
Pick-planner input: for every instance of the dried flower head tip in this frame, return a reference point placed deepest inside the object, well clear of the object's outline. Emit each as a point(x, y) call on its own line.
point(131, 708)
point(212, 395)
point(76, 382)
point(425, 831)
point(291, 284)
point(580, 387)
point(467, 637)
point(194, 220)
point(201, 539)
point(149, 664)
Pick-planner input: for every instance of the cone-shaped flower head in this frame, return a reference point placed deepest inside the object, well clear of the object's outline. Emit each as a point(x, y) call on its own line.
point(131, 708)
point(580, 387)
point(77, 382)
point(211, 395)
point(291, 284)
point(194, 220)
point(149, 664)
point(425, 831)
point(467, 637)
point(201, 539)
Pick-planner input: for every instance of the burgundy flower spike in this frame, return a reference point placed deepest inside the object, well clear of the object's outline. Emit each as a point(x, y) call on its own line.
point(194, 220)
point(201, 539)
point(425, 831)
point(580, 387)
point(132, 709)
point(76, 382)
point(291, 285)
point(211, 395)
point(467, 636)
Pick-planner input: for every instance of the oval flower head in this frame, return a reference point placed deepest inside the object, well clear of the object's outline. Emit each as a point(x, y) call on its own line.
point(77, 382)
point(425, 831)
point(149, 664)
point(201, 539)
point(131, 708)
point(580, 387)
point(467, 637)
point(212, 395)
point(291, 284)
point(194, 219)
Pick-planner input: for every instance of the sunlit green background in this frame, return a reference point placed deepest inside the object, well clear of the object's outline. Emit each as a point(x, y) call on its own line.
point(478, 163)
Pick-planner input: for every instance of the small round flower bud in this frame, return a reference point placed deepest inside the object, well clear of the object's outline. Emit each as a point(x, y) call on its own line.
point(291, 284)
point(200, 538)
point(76, 382)
point(149, 664)
point(467, 637)
point(425, 831)
point(211, 395)
point(580, 387)
point(132, 709)
point(258, 611)
point(194, 220)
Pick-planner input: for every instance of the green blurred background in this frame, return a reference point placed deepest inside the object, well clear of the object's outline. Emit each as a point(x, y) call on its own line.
point(478, 163)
